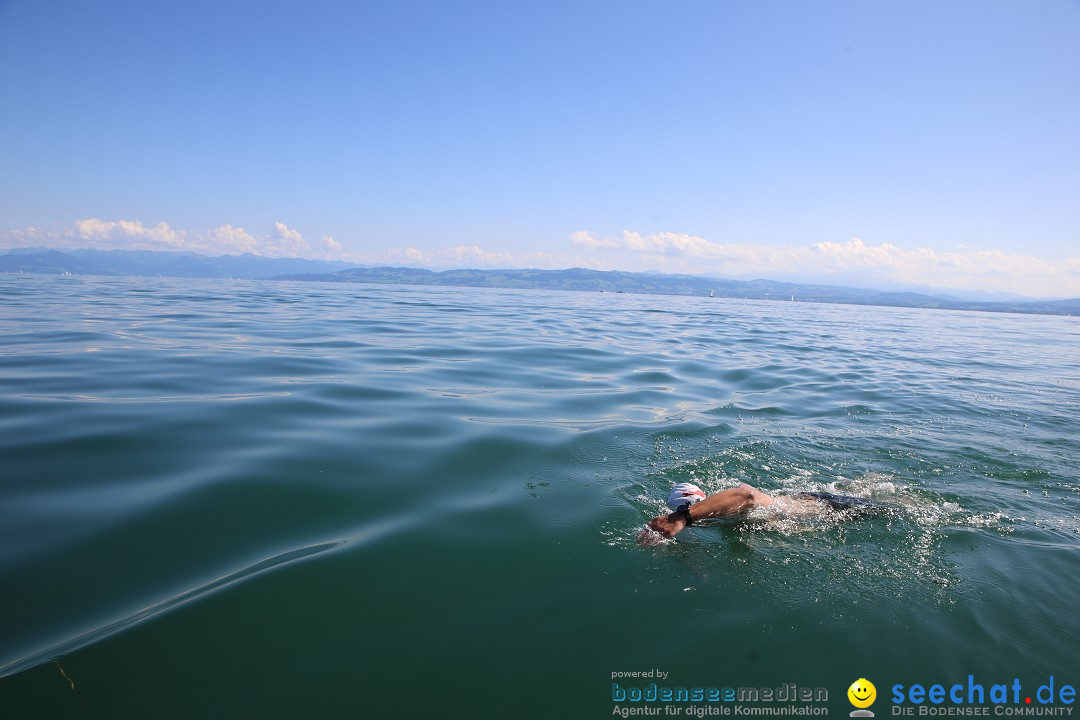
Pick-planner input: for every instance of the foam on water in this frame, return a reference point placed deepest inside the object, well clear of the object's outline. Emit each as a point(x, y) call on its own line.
point(896, 547)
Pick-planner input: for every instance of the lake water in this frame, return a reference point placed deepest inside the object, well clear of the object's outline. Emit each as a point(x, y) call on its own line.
point(281, 500)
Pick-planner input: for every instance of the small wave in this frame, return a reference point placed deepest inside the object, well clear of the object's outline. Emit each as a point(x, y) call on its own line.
point(157, 399)
point(69, 646)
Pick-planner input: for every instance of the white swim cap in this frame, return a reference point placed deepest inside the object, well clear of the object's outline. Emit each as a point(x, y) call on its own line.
point(684, 494)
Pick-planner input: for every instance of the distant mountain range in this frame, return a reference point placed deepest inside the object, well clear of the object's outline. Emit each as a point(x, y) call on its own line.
point(173, 264)
point(152, 263)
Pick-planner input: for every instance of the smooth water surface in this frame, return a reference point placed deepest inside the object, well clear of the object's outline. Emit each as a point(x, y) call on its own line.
point(258, 499)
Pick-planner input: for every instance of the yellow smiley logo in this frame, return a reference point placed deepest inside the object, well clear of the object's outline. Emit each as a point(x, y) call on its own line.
point(862, 693)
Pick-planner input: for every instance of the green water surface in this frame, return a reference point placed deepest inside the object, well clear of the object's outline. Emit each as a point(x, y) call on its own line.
point(278, 500)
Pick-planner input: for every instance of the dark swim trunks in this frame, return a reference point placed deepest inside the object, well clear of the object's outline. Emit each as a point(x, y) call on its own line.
point(841, 502)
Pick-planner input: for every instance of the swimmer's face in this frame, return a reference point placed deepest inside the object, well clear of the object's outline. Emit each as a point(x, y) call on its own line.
point(862, 693)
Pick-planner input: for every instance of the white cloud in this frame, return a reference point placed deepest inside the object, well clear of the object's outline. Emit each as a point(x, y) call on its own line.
point(990, 270)
point(130, 234)
point(283, 232)
point(681, 253)
point(971, 270)
point(230, 240)
point(285, 242)
point(671, 244)
point(281, 241)
point(585, 239)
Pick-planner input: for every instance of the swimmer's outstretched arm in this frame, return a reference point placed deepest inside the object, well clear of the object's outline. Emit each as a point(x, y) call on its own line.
point(722, 504)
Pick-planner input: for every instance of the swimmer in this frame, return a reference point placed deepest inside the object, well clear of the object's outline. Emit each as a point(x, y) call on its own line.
point(690, 504)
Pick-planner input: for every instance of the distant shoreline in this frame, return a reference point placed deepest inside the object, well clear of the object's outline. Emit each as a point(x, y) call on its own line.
point(45, 261)
point(677, 285)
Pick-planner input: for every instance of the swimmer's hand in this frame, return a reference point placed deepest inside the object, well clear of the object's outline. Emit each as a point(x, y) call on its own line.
point(662, 527)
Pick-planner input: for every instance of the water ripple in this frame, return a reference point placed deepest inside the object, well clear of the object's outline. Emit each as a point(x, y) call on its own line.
point(69, 646)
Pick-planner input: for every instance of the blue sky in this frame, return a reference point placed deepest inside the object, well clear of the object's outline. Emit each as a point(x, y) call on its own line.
point(885, 142)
